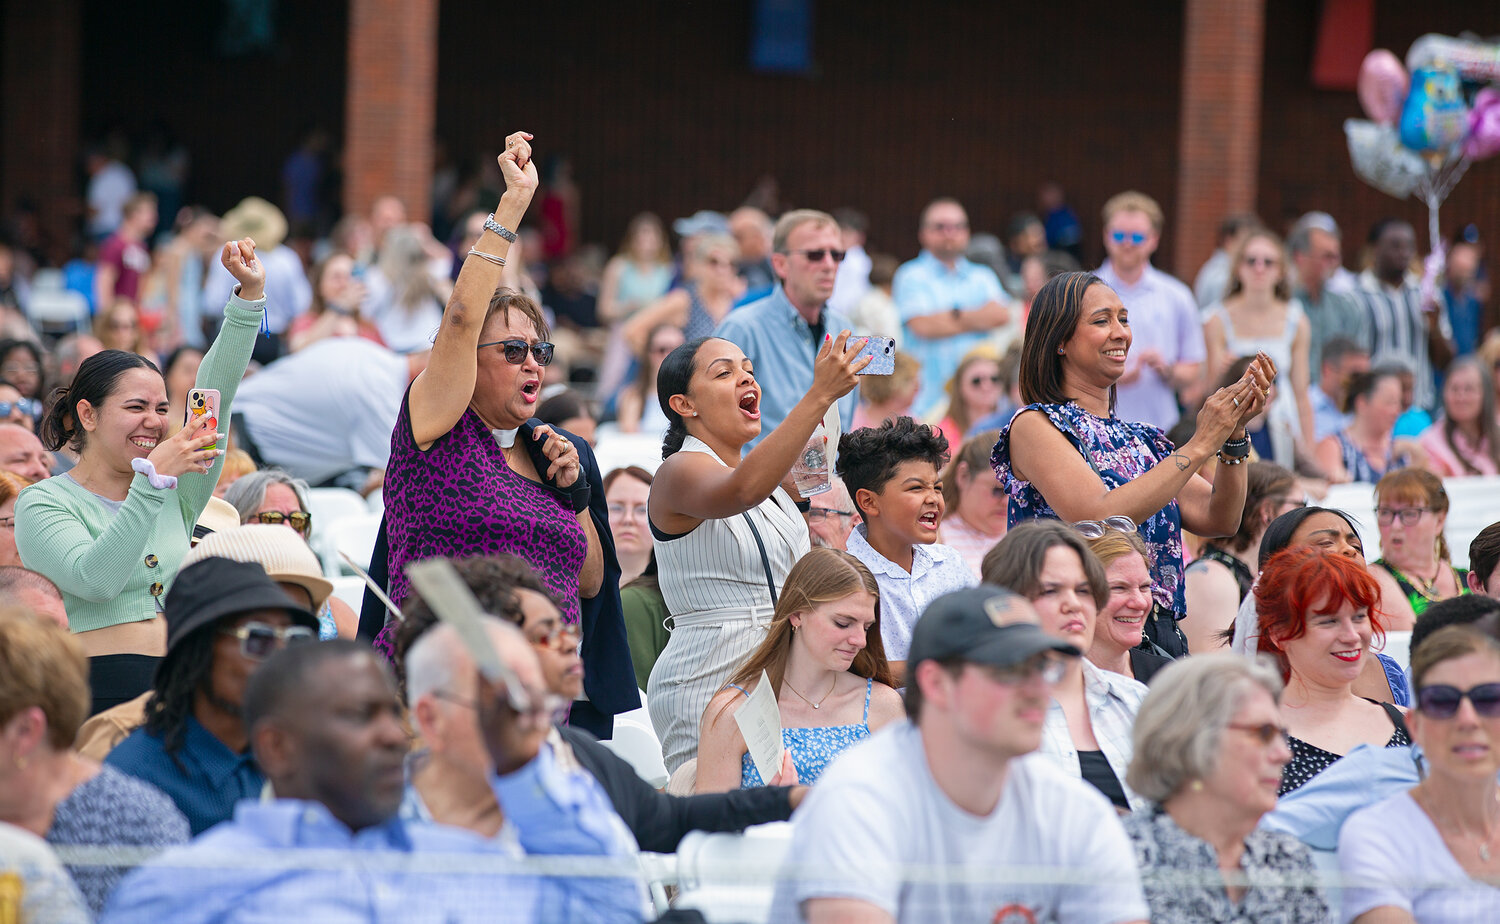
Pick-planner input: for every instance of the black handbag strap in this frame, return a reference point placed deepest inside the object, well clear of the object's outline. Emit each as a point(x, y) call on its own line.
point(765, 560)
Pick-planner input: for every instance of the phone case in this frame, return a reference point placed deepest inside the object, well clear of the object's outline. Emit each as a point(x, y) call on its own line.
point(203, 410)
point(884, 351)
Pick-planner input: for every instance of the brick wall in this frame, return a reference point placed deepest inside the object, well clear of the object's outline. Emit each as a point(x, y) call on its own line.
point(390, 100)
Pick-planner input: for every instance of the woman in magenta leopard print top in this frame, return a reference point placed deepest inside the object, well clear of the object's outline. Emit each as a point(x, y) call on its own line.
point(461, 480)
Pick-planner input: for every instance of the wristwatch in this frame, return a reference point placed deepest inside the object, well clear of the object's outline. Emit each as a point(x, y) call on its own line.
point(490, 224)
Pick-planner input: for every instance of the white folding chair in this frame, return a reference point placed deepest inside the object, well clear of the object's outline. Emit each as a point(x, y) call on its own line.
point(732, 877)
point(351, 590)
point(638, 746)
point(52, 310)
point(354, 536)
point(1473, 504)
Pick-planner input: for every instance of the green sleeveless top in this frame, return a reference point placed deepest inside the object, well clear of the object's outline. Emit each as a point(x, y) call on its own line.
point(1418, 598)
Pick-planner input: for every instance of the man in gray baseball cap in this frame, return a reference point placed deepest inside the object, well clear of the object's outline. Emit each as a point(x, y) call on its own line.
point(944, 817)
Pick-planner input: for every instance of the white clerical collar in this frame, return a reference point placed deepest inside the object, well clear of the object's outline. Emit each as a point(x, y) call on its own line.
point(506, 438)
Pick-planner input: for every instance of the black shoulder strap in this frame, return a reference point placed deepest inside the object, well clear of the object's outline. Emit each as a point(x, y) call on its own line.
point(765, 560)
point(1397, 719)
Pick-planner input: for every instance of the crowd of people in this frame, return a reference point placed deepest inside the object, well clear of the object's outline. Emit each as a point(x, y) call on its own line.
point(1053, 625)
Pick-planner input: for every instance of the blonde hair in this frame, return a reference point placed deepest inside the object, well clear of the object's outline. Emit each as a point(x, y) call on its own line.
point(43, 666)
point(795, 219)
point(1114, 545)
point(880, 389)
point(954, 386)
point(1132, 201)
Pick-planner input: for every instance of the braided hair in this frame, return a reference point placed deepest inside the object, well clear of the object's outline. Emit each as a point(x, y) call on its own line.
point(182, 673)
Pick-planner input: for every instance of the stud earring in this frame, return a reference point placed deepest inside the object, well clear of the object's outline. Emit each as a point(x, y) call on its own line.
point(1060, 351)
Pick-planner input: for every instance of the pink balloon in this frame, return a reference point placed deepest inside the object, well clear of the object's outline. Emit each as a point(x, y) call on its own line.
point(1382, 86)
point(1484, 126)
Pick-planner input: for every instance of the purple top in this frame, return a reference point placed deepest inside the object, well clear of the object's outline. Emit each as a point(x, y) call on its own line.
point(1118, 451)
point(460, 499)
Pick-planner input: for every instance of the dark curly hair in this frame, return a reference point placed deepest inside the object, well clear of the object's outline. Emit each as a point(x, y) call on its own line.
point(181, 674)
point(869, 457)
point(493, 579)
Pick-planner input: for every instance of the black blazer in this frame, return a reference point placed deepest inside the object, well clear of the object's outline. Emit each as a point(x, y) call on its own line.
point(608, 673)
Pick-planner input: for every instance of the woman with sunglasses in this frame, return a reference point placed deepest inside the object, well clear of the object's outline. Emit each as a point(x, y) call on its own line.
point(1209, 750)
point(1220, 577)
point(825, 661)
point(1432, 853)
point(471, 472)
point(1257, 314)
point(974, 393)
point(16, 408)
point(46, 787)
point(1318, 617)
point(1415, 568)
point(1066, 456)
point(726, 532)
point(1087, 730)
point(111, 531)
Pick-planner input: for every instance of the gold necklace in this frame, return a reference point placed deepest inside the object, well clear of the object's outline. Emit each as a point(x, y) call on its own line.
point(819, 703)
point(1429, 591)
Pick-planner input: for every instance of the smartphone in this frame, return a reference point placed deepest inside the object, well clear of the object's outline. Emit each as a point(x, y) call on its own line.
point(883, 349)
point(203, 411)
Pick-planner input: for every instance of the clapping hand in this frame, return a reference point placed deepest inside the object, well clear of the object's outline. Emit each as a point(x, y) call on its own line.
point(239, 258)
point(1230, 408)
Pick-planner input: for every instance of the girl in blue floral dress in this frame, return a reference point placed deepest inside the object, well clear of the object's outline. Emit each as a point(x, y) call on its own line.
point(1065, 455)
point(824, 658)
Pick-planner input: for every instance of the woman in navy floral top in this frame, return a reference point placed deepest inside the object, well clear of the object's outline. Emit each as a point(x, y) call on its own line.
point(1066, 455)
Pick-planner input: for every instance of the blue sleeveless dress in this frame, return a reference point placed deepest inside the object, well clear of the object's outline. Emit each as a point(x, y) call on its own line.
point(812, 748)
point(1118, 451)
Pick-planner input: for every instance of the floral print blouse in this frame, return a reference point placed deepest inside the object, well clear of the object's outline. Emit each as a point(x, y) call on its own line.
point(1118, 450)
point(1180, 875)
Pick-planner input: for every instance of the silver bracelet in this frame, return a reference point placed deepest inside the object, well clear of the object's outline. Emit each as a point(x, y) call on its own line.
point(490, 224)
point(498, 261)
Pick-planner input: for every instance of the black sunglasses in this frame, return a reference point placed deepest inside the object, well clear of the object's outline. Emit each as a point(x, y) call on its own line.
point(1442, 701)
point(301, 521)
point(259, 641)
point(816, 256)
point(515, 351)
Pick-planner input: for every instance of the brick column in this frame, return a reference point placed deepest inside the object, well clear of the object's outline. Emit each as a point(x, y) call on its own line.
point(39, 115)
point(390, 103)
point(1219, 146)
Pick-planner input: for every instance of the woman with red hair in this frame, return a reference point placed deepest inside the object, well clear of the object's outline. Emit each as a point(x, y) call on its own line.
point(1318, 618)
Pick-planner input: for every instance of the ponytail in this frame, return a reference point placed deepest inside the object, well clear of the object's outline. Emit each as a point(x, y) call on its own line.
point(94, 381)
point(672, 379)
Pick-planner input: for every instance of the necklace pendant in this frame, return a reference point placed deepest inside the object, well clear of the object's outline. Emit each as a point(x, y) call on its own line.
point(1484, 852)
point(820, 706)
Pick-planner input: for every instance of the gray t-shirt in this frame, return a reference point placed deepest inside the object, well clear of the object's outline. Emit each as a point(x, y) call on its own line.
point(878, 829)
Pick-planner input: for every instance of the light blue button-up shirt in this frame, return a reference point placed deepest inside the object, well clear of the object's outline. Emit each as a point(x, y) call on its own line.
point(398, 871)
point(935, 570)
point(925, 286)
point(782, 346)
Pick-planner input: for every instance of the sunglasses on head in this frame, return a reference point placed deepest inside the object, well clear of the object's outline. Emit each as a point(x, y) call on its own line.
point(1442, 701)
point(28, 406)
point(515, 351)
point(300, 521)
point(1094, 529)
point(259, 641)
point(1135, 237)
point(816, 256)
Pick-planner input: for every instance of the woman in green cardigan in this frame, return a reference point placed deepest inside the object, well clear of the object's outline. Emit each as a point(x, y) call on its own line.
point(111, 532)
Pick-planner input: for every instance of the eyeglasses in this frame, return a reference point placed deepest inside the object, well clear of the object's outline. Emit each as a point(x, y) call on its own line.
point(1257, 262)
point(823, 513)
point(945, 226)
point(561, 637)
point(300, 520)
point(259, 641)
point(816, 256)
point(28, 406)
point(979, 380)
point(515, 351)
point(623, 511)
point(1442, 701)
point(1267, 732)
point(1408, 515)
point(1095, 529)
point(1136, 238)
point(1047, 667)
point(10, 369)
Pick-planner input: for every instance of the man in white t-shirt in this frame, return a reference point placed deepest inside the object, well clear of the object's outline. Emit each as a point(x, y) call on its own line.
point(944, 817)
point(327, 409)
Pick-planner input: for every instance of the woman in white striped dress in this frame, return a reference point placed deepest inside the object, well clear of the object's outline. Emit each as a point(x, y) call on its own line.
point(725, 532)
